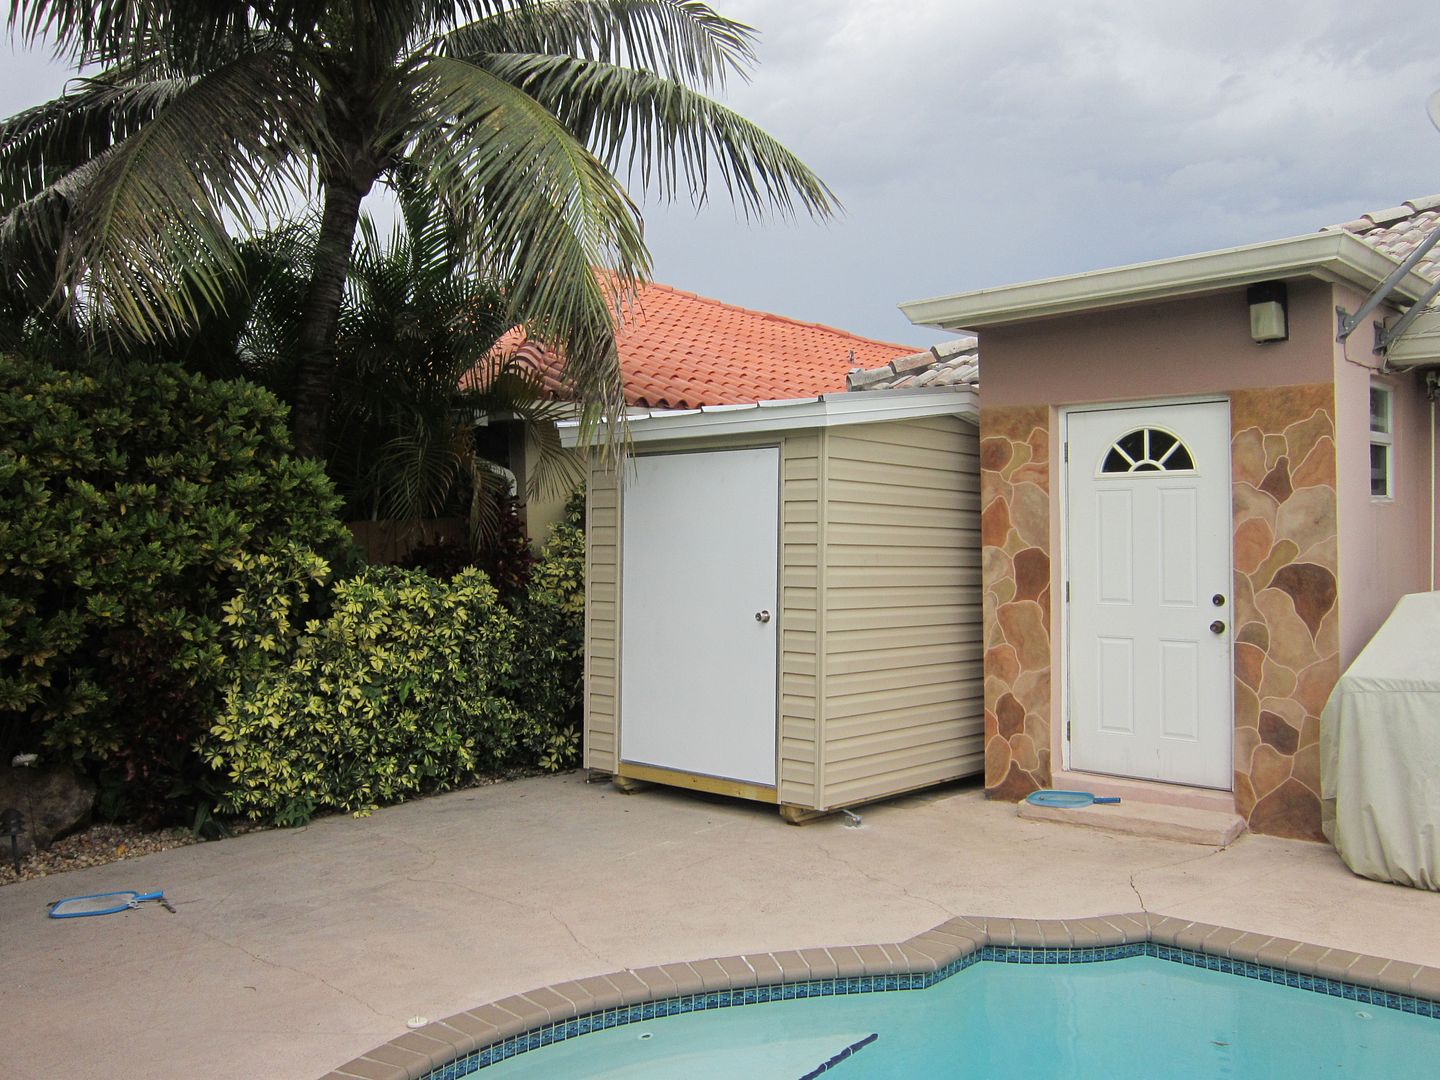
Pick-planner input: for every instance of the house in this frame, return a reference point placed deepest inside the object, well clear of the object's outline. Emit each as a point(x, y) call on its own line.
point(1202, 490)
point(679, 350)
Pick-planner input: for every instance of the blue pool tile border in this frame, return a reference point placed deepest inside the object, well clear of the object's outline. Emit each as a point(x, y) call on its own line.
point(548, 1034)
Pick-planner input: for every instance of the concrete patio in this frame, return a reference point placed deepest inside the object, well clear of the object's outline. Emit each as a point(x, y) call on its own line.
point(294, 951)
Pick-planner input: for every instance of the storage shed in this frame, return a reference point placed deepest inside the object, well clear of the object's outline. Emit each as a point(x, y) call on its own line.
point(783, 600)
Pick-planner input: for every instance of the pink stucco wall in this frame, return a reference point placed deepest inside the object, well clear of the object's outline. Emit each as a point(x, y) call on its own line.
point(1317, 561)
point(1383, 543)
point(1199, 345)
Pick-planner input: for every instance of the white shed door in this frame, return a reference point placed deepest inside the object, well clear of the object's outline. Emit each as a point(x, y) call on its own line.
point(697, 667)
point(1148, 564)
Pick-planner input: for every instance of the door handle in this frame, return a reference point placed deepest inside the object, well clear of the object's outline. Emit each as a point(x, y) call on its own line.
point(1217, 627)
point(762, 616)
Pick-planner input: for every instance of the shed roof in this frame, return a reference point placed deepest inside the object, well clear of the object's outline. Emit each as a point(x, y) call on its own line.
point(822, 411)
point(679, 350)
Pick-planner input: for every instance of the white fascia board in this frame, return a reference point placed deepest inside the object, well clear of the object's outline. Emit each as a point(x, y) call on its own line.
point(830, 410)
point(1330, 256)
point(1420, 344)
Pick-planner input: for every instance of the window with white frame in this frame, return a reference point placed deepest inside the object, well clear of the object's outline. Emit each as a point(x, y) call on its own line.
point(1382, 442)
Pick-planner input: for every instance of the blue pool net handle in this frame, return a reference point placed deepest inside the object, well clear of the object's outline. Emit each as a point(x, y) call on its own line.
point(1068, 799)
point(105, 903)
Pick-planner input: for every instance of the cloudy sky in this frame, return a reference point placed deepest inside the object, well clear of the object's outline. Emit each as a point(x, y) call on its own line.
point(980, 142)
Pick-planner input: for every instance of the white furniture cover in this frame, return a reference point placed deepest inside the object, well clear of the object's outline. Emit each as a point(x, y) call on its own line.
point(1380, 751)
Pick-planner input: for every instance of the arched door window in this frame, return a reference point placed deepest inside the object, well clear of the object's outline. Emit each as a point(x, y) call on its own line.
point(1147, 450)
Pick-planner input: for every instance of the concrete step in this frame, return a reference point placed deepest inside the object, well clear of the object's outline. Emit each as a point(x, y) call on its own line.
point(1213, 828)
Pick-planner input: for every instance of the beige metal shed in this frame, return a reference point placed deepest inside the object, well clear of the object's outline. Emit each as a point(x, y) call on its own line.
point(783, 600)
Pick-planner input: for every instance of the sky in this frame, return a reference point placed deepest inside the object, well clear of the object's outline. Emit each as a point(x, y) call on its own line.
point(982, 142)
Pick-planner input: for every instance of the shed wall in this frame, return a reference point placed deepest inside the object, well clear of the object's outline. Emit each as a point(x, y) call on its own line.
point(602, 616)
point(902, 654)
point(879, 639)
point(801, 480)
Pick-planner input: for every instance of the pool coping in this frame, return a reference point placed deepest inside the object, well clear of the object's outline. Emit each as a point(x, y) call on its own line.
point(418, 1053)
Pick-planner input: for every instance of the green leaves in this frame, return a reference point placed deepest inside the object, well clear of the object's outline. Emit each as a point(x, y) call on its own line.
point(130, 497)
point(396, 692)
point(409, 685)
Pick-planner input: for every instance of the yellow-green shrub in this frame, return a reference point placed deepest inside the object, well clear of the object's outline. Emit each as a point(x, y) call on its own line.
point(395, 692)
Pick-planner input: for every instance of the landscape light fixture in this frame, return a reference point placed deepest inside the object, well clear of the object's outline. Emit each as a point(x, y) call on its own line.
point(12, 823)
point(1268, 312)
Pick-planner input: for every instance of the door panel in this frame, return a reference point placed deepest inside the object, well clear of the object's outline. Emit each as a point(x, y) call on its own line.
point(1148, 546)
point(697, 679)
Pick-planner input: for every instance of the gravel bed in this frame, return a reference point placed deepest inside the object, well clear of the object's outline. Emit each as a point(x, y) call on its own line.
point(95, 846)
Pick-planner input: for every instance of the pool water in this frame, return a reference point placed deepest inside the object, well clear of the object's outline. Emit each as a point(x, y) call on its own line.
point(1130, 1019)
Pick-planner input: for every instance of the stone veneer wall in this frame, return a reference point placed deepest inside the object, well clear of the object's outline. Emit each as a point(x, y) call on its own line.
point(1287, 641)
point(1015, 556)
point(1284, 610)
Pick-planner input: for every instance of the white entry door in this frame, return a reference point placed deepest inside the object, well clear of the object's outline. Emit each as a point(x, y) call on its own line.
point(1148, 568)
point(697, 613)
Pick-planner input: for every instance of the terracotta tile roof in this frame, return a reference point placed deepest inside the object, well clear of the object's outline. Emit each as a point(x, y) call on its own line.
point(681, 351)
point(1396, 231)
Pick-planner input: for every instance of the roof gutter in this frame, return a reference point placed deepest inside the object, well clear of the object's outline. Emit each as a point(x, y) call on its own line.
point(1333, 256)
point(773, 417)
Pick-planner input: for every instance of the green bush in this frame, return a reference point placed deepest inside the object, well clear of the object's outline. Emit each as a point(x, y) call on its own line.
point(128, 495)
point(411, 684)
point(394, 693)
point(549, 669)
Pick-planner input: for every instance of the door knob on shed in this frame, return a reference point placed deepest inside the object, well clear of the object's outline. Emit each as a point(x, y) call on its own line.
point(1217, 627)
point(762, 616)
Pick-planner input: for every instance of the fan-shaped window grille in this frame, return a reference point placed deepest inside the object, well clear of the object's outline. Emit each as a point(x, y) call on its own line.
point(1148, 450)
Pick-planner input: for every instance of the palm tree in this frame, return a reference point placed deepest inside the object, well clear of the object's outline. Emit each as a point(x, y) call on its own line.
point(418, 371)
point(419, 375)
point(518, 113)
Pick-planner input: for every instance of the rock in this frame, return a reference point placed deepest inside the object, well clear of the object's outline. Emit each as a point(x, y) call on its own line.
point(55, 800)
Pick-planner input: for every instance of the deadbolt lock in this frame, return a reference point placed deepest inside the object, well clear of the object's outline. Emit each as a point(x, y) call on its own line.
point(1218, 600)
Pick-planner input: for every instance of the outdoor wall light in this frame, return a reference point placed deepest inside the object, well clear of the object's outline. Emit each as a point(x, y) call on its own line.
point(1268, 312)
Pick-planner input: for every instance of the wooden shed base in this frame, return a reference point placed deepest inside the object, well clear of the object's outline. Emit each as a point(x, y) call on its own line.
point(799, 815)
point(633, 777)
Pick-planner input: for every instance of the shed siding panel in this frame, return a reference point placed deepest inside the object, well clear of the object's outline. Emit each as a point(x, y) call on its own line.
point(800, 482)
point(902, 670)
point(602, 610)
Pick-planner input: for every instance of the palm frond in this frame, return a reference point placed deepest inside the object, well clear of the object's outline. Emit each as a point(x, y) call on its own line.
point(40, 144)
point(148, 234)
point(669, 133)
point(109, 31)
point(542, 213)
point(418, 473)
point(678, 39)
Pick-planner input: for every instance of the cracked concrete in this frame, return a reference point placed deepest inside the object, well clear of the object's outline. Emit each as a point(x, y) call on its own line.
point(295, 951)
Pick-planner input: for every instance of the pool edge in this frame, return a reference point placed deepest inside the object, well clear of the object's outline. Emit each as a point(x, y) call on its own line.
point(416, 1054)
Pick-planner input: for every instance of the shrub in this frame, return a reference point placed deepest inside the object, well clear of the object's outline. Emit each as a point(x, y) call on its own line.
point(549, 669)
point(394, 693)
point(506, 555)
point(128, 494)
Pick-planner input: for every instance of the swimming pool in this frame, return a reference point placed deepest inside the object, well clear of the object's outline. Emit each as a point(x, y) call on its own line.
point(1119, 996)
point(1139, 1017)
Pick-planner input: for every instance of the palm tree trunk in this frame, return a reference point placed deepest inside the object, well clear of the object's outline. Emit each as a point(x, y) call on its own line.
point(315, 376)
